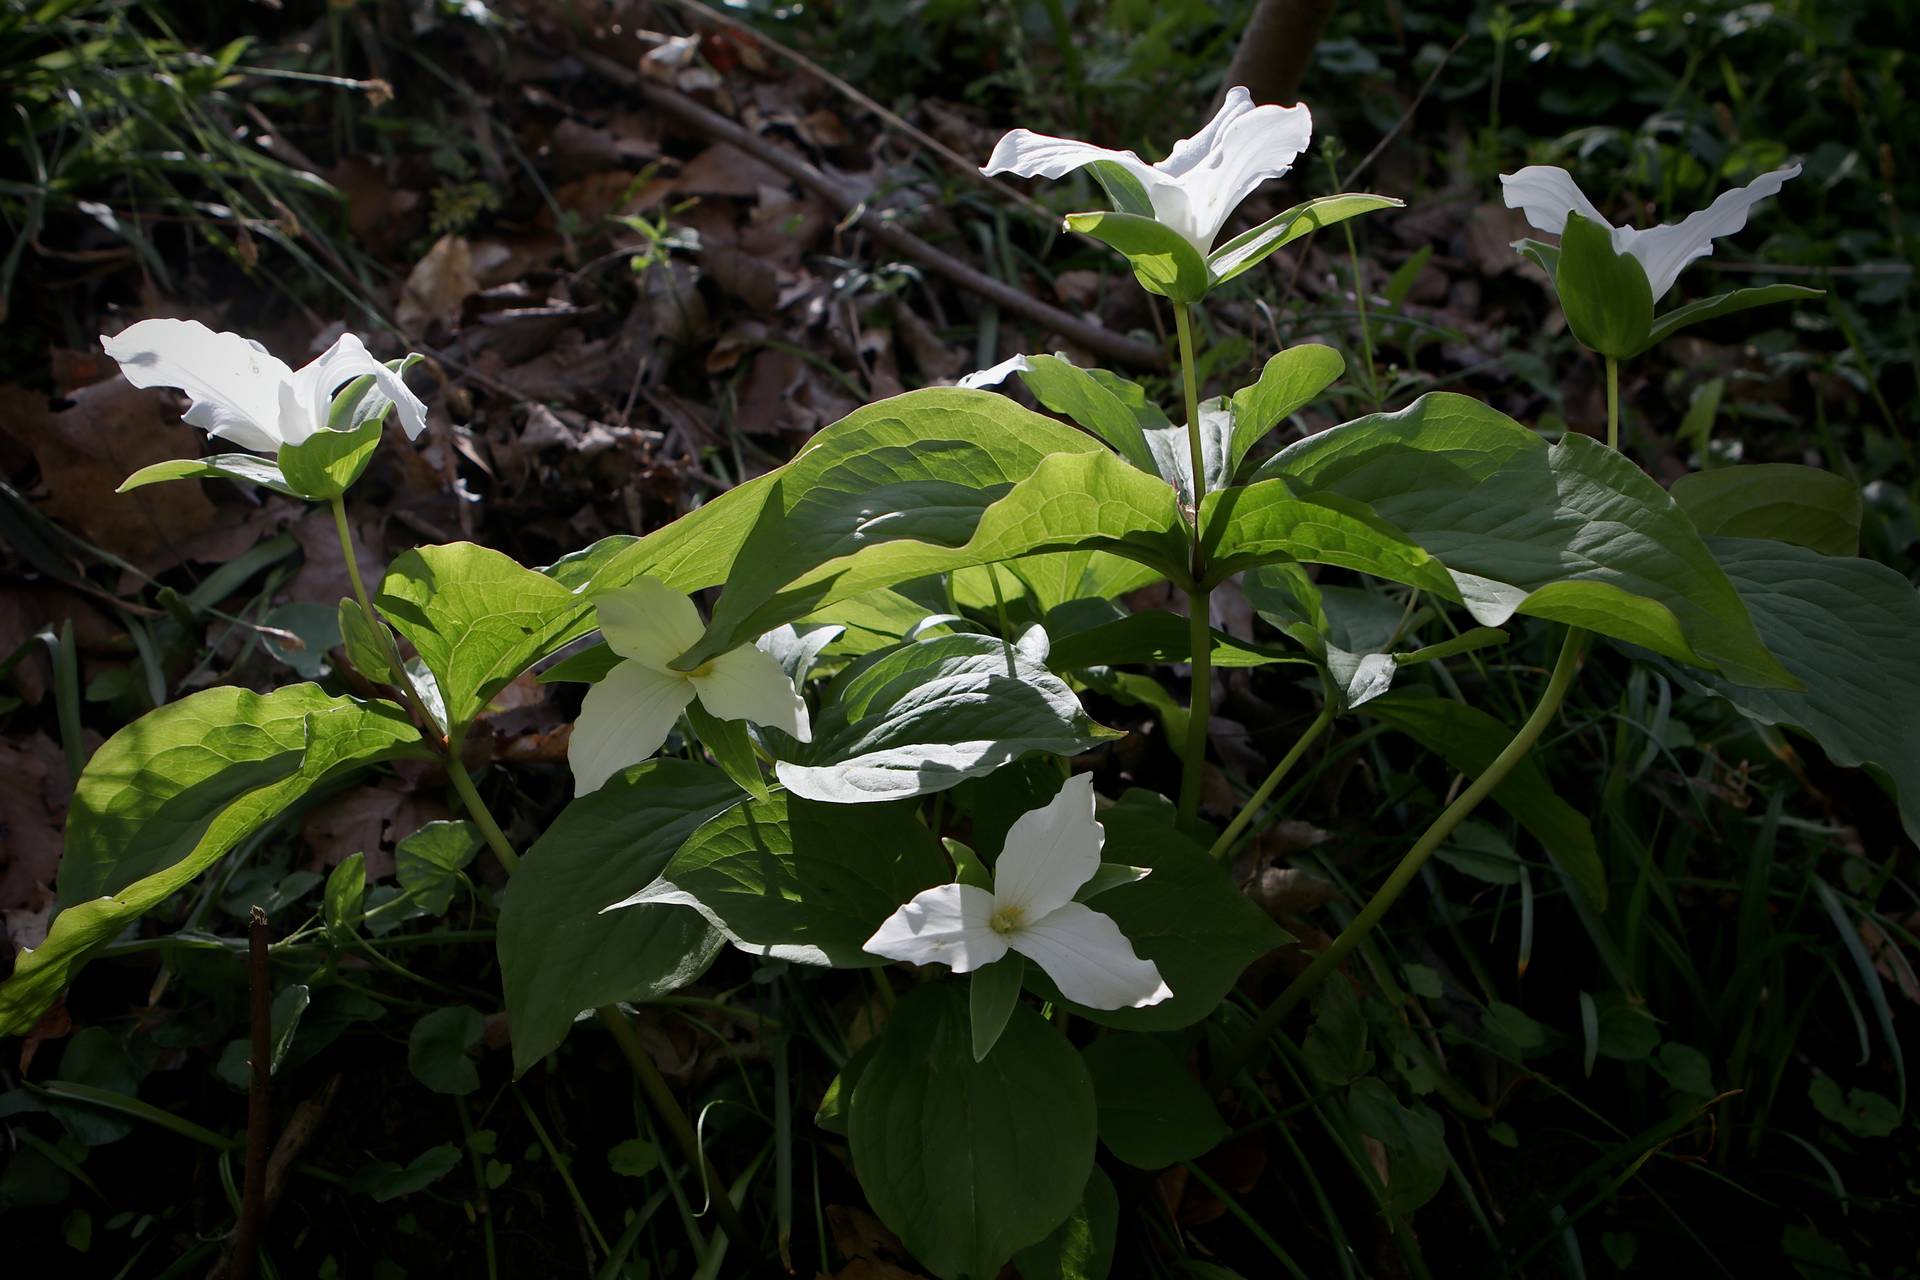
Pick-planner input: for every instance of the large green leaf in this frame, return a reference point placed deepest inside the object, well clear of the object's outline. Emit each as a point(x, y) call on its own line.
point(1846, 628)
point(1153, 1113)
point(163, 799)
point(1154, 635)
point(1075, 393)
point(1279, 519)
point(1163, 261)
point(916, 485)
point(1250, 248)
point(1186, 916)
point(560, 950)
point(1573, 532)
point(800, 880)
point(1468, 739)
point(969, 1162)
point(477, 618)
point(931, 714)
point(1081, 1248)
point(1802, 505)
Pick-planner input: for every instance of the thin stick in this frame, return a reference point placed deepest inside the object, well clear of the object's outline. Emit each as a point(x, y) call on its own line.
point(253, 1200)
point(1080, 332)
point(1403, 875)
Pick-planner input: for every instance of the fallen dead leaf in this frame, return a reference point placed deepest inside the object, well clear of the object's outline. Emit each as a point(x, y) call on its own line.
point(437, 285)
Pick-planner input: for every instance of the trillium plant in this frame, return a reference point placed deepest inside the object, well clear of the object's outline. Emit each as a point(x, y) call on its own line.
point(877, 749)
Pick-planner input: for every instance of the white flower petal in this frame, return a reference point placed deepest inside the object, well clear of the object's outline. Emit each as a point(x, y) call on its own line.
point(623, 721)
point(1189, 152)
point(1050, 852)
point(950, 923)
point(747, 684)
point(347, 359)
point(650, 622)
point(1666, 249)
point(1089, 959)
point(1039, 155)
point(998, 374)
point(234, 384)
point(1546, 195)
point(1246, 148)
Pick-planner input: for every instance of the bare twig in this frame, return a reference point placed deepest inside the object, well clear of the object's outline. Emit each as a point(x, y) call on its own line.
point(1080, 332)
point(253, 1203)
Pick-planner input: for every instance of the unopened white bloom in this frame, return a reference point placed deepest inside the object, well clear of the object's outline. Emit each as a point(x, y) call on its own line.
point(1547, 194)
point(1197, 187)
point(1050, 853)
point(630, 712)
point(243, 393)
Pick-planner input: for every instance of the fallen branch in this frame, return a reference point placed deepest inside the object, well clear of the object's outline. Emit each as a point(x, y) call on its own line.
point(1080, 332)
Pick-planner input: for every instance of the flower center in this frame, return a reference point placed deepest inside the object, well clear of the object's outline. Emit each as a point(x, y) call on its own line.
point(704, 669)
point(1006, 919)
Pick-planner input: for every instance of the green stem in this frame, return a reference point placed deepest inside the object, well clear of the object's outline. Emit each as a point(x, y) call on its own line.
point(1224, 845)
point(339, 505)
point(477, 809)
point(1383, 899)
point(1200, 696)
point(1613, 403)
point(660, 1095)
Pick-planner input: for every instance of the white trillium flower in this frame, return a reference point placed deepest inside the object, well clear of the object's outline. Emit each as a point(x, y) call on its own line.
point(1049, 854)
point(1547, 194)
point(244, 393)
point(629, 713)
point(1199, 185)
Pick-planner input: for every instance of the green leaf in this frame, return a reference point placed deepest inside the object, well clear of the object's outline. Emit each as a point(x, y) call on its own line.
point(1606, 295)
point(920, 484)
point(1845, 627)
point(1065, 388)
point(345, 900)
point(1250, 248)
point(1163, 261)
point(440, 1049)
point(1186, 916)
point(931, 714)
point(315, 629)
point(384, 1180)
point(428, 863)
point(969, 1162)
point(1482, 851)
point(1415, 1142)
point(1571, 532)
point(476, 617)
point(1288, 383)
point(1279, 519)
point(559, 954)
point(169, 795)
point(1725, 304)
point(1153, 1113)
point(1861, 1112)
point(799, 880)
point(248, 468)
point(589, 666)
point(1469, 739)
point(369, 643)
point(1512, 1032)
point(1154, 635)
point(1081, 1248)
point(1543, 255)
point(326, 463)
point(1686, 1069)
point(992, 993)
point(1335, 1050)
point(97, 1058)
point(731, 747)
point(832, 1115)
point(1128, 193)
point(1806, 506)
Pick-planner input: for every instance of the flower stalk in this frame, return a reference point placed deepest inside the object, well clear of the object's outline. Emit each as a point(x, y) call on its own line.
point(1613, 402)
point(1383, 899)
point(1224, 845)
point(1200, 697)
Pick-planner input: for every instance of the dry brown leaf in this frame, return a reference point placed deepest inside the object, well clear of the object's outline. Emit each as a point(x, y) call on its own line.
point(110, 430)
point(33, 807)
point(437, 285)
point(726, 170)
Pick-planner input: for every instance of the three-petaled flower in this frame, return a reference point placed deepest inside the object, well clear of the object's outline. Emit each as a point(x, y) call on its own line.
point(629, 713)
point(1547, 195)
point(1200, 183)
point(1049, 854)
point(242, 392)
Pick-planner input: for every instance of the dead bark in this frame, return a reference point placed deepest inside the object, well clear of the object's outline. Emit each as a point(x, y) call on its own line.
point(1277, 48)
